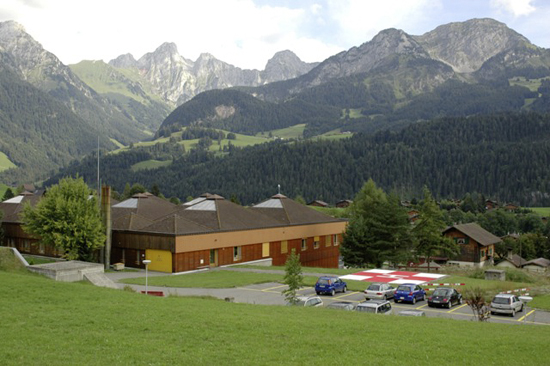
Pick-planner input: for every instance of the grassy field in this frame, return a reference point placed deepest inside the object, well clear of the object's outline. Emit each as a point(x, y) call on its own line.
point(150, 164)
point(543, 211)
point(5, 162)
point(292, 132)
point(53, 323)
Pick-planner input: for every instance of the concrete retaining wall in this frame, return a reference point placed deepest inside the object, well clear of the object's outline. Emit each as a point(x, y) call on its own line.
point(71, 271)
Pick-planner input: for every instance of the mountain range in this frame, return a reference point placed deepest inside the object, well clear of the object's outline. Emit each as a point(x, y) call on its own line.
point(459, 69)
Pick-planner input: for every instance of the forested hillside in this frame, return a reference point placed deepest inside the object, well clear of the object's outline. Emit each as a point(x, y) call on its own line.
point(503, 156)
point(31, 123)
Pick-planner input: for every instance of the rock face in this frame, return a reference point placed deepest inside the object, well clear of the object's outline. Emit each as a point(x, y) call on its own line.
point(177, 79)
point(467, 45)
point(285, 65)
point(367, 56)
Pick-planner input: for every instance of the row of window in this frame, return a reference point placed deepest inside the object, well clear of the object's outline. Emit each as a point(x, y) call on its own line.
point(329, 241)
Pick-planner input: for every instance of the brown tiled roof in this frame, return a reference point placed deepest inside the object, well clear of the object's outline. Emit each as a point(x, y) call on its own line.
point(516, 260)
point(130, 221)
point(476, 232)
point(145, 205)
point(542, 262)
point(220, 214)
point(290, 212)
point(176, 225)
point(12, 211)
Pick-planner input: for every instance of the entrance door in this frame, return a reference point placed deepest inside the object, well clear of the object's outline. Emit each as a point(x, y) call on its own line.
point(213, 257)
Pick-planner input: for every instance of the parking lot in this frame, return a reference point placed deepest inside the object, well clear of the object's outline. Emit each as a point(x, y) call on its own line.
point(271, 294)
point(461, 312)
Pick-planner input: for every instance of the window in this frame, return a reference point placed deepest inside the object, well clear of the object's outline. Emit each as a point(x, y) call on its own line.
point(335, 239)
point(26, 245)
point(284, 247)
point(41, 248)
point(316, 243)
point(304, 244)
point(236, 253)
point(265, 250)
point(11, 242)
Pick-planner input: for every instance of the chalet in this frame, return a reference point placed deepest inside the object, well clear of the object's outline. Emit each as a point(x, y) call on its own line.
point(344, 203)
point(414, 215)
point(511, 207)
point(318, 203)
point(490, 205)
point(477, 245)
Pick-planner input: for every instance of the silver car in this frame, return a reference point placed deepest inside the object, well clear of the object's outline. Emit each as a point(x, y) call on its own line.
point(506, 304)
point(375, 307)
point(381, 291)
point(308, 301)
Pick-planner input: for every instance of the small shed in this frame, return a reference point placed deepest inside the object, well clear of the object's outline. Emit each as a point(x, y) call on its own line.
point(495, 275)
point(537, 265)
point(318, 203)
point(344, 203)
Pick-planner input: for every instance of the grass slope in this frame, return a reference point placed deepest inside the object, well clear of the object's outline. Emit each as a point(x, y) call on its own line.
point(5, 162)
point(46, 322)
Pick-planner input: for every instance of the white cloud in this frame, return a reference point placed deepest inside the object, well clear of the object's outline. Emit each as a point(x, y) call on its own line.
point(515, 7)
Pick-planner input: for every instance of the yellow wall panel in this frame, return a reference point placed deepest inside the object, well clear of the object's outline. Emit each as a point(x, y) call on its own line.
point(265, 250)
point(161, 260)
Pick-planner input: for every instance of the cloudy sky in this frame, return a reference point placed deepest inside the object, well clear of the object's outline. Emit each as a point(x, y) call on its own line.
point(246, 33)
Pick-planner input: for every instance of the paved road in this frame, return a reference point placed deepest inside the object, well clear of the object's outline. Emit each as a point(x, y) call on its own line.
point(271, 294)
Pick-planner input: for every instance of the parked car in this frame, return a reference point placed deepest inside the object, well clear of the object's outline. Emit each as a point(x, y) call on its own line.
point(375, 307)
point(381, 291)
point(409, 292)
point(445, 297)
point(412, 312)
point(312, 301)
point(330, 285)
point(506, 304)
point(341, 305)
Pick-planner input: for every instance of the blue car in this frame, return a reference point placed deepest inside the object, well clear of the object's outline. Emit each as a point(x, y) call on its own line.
point(330, 285)
point(409, 292)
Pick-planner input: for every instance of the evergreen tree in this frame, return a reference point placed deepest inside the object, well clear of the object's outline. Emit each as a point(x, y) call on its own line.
point(9, 194)
point(293, 277)
point(126, 193)
point(378, 229)
point(68, 219)
point(427, 232)
point(155, 190)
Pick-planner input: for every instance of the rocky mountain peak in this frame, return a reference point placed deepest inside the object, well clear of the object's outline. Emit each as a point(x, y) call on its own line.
point(285, 65)
point(467, 45)
point(124, 61)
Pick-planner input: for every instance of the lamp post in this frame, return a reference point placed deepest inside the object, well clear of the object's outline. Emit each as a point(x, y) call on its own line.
point(146, 262)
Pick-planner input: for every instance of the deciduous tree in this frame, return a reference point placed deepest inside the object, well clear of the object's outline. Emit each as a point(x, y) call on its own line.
point(68, 218)
point(293, 277)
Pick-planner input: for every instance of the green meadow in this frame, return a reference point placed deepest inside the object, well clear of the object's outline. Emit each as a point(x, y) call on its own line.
point(52, 323)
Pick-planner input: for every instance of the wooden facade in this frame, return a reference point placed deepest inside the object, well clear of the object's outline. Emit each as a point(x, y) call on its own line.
point(199, 251)
point(15, 237)
point(471, 250)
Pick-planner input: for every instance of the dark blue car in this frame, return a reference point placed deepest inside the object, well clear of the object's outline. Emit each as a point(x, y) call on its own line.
point(330, 285)
point(409, 292)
